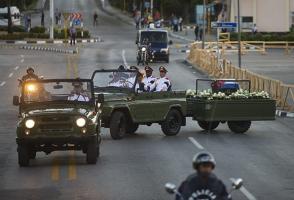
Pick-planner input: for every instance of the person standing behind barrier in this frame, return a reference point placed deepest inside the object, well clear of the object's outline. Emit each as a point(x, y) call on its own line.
point(196, 31)
point(181, 23)
point(254, 29)
point(42, 18)
point(200, 33)
point(73, 33)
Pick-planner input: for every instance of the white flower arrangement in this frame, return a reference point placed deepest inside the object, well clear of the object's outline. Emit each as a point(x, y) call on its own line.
point(240, 94)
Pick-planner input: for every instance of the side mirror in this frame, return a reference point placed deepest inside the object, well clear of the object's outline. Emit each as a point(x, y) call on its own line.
point(170, 42)
point(100, 98)
point(237, 184)
point(170, 188)
point(16, 101)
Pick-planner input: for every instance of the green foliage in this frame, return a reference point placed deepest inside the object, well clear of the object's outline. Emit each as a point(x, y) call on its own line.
point(264, 36)
point(14, 28)
point(22, 36)
point(38, 29)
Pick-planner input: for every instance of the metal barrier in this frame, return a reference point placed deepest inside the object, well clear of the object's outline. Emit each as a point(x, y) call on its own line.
point(208, 63)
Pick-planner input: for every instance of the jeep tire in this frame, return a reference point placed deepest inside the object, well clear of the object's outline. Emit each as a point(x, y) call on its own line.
point(132, 128)
point(118, 125)
point(172, 123)
point(239, 126)
point(33, 154)
point(92, 152)
point(208, 126)
point(23, 155)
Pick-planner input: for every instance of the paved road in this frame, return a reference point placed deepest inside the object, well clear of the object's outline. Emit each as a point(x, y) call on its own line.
point(138, 166)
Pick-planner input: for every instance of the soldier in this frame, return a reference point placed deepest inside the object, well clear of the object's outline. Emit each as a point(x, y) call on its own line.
point(78, 94)
point(30, 75)
point(148, 80)
point(162, 83)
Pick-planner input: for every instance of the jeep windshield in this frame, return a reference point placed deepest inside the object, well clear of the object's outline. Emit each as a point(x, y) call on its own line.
point(153, 37)
point(75, 90)
point(114, 79)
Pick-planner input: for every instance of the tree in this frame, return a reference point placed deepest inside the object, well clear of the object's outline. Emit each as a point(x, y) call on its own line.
point(9, 22)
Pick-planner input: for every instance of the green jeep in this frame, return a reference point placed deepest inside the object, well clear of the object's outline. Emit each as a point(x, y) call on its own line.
point(124, 106)
point(57, 114)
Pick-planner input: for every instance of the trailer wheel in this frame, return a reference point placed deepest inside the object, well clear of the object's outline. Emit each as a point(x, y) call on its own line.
point(172, 124)
point(118, 124)
point(132, 128)
point(208, 126)
point(239, 126)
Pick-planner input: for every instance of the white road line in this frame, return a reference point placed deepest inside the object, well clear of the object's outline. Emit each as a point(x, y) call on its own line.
point(199, 146)
point(10, 75)
point(22, 60)
point(123, 54)
point(16, 68)
point(3, 83)
point(21, 56)
point(247, 194)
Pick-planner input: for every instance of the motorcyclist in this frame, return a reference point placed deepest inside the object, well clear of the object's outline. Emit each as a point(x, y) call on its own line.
point(30, 75)
point(203, 184)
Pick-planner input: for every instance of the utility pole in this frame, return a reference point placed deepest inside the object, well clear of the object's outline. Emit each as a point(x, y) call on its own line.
point(52, 19)
point(203, 28)
point(151, 7)
point(239, 36)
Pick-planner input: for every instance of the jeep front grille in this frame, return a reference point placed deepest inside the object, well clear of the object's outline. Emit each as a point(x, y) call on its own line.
point(56, 127)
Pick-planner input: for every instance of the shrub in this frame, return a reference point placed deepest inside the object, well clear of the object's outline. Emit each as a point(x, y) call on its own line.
point(38, 29)
point(14, 28)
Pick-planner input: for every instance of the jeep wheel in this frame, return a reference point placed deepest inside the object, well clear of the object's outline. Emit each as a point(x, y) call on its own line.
point(239, 126)
point(118, 123)
point(92, 152)
point(23, 155)
point(208, 126)
point(132, 128)
point(172, 124)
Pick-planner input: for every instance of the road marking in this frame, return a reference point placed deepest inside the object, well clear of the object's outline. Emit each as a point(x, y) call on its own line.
point(21, 56)
point(10, 75)
point(123, 54)
point(55, 174)
point(3, 83)
point(197, 144)
point(72, 170)
point(247, 194)
point(22, 60)
point(16, 68)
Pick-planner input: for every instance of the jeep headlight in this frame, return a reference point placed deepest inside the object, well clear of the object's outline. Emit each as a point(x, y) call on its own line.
point(81, 122)
point(30, 123)
point(143, 49)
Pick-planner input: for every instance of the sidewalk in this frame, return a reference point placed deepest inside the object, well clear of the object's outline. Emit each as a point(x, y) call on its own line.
point(188, 35)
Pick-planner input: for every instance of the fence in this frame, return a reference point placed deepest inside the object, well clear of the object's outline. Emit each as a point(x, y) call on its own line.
point(208, 62)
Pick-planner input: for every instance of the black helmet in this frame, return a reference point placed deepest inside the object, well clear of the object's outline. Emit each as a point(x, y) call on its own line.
point(203, 157)
point(30, 69)
point(121, 68)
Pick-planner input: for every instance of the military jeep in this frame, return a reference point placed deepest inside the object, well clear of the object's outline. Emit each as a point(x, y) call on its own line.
point(56, 115)
point(124, 106)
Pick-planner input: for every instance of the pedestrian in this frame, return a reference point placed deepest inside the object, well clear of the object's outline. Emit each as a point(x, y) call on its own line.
point(254, 29)
point(200, 33)
point(137, 19)
point(95, 19)
point(181, 23)
point(59, 18)
point(29, 22)
point(196, 31)
point(175, 23)
point(73, 33)
point(203, 184)
point(42, 18)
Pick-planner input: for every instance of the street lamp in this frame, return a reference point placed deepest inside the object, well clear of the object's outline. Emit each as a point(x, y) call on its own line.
point(239, 36)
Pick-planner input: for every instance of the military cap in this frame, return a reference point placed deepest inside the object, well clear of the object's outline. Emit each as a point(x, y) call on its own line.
point(147, 68)
point(162, 69)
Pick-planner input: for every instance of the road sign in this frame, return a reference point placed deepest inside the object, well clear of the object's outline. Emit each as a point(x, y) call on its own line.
point(223, 24)
point(76, 15)
point(77, 22)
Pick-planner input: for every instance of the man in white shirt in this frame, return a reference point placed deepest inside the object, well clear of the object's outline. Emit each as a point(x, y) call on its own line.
point(162, 83)
point(148, 80)
point(77, 93)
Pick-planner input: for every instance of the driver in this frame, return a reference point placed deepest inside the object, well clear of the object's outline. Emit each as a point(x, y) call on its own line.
point(203, 184)
point(78, 94)
point(30, 75)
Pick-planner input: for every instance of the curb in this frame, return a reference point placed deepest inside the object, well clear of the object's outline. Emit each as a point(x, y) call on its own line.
point(95, 40)
point(282, 113)
point(36, 48)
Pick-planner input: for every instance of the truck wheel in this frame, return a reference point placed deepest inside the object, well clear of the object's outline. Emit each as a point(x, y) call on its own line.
point(205, 125)
point(92, 152)
point(23, 155)
point(118, 125)
point(132, 128)
point(172, 124)
point(239, 126)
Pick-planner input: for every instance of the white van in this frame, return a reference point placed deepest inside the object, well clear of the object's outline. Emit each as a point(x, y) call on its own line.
point(15, 16)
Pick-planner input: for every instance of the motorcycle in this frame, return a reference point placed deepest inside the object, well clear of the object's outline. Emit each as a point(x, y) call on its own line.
point(143, 55)
point(172, 188)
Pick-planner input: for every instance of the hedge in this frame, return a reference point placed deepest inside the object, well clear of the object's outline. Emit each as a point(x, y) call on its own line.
point(14, 28)
point(264, 36)
point(38, 29)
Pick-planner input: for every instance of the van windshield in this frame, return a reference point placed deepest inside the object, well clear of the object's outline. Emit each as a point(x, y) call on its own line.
point(153, 37)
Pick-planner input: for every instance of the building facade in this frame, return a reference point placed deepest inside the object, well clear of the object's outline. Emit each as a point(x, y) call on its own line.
point(268, 15)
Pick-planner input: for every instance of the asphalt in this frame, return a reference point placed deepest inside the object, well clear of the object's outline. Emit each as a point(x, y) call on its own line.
point(138, 166)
